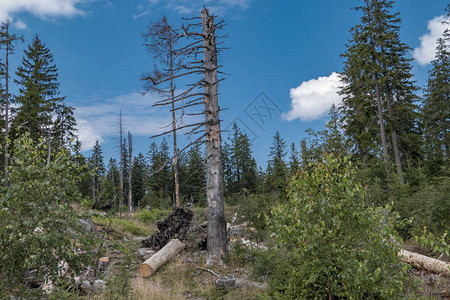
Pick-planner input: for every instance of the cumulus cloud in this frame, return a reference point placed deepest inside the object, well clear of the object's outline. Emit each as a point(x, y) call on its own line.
point(99, 120)
point(219, 7)
point(20, 25)
point(312, 99)
point(40, 8)
point(425, 53)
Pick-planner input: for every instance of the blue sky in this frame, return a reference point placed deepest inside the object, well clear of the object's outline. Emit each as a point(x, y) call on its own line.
point(282, 59)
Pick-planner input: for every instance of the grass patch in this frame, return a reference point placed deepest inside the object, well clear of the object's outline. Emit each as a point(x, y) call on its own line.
point(127, 228)
point(151, 216)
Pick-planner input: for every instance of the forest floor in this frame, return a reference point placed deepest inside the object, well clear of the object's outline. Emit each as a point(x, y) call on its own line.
point(186, 276)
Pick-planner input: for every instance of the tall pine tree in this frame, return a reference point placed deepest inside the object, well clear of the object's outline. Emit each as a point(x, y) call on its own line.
point(436, 110)
point(41, 111)
point(379, 107)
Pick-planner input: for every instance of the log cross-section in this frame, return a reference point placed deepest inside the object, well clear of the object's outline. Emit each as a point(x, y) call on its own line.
point(151, 265)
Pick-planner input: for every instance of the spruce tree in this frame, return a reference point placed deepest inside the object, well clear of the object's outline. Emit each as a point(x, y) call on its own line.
point(294, 163)
point(379, 107)
point(436, 111)
point(277, 170)
point(40, 109)
point(98, 168)
point(138, 183)
point(196, 172)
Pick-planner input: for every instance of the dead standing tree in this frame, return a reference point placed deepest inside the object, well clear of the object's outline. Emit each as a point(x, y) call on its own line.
point(203, 92)
point(163, 40)
point(7, 41)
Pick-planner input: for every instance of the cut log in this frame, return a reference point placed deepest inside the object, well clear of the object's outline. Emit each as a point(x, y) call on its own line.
point(151, 265)
point(426, 263)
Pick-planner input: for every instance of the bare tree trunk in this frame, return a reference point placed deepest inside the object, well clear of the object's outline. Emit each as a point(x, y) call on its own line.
point(217, 234)
point(93, 191)
point(121, 166)
point(130, 176)
point(174, 127)
point(398, 161)
point(382, 130)
point(7, 100)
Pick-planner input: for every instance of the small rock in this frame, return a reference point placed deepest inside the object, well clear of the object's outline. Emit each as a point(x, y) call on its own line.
point(99, 284)
point(222, 283)
point(146, 253)
point(86, 286)
point(236, 231)
point(140, 238)
point(88, 224)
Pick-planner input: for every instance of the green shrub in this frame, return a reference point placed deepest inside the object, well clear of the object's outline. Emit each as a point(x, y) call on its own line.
point(38, 226)
point(335, 246)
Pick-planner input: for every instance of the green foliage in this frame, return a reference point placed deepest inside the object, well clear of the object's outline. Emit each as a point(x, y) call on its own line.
point(438, 244)
point(123, 226)
point(276, 178)
point(40, 111)
point(335, 245)
point(38, 226)
point(256, 210)
point(428, 206)
point(151, 216)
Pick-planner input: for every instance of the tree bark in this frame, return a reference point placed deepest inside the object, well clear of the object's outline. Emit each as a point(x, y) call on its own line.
point(7, 98)
point(382, 130)
point(426, 263)
point(130, 175)
point(398, 161)
point(174, 127)
point(217, 234)
point(121, 166)
point(151, 265)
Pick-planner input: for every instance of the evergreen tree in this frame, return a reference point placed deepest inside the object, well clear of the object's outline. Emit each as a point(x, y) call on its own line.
point(98, 168)
point(277, 170)
point(160, 169)
point(379, 87)
point(333, 139)
point(241, 165)
point(111, 185)
point(436, 110)
point(138, 184)
point(41, 111)
point(84, 184)
point(294, 163)
point(196, 175)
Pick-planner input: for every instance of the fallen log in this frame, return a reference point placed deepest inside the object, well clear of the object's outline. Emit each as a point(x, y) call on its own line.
point(426, 263)
point(151, 265)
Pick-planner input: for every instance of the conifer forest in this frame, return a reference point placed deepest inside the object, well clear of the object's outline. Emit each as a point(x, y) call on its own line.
point(359, 209)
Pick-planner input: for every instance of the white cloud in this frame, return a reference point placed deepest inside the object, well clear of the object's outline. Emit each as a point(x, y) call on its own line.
point(100, 120)
point(312, 99)
point(425, 53)
point(20, 25)
point(40, 8)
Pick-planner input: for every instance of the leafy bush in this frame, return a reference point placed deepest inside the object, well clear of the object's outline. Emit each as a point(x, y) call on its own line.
point(38, 227)
point(335, 245)
point(255, 211)
point(429, 206)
